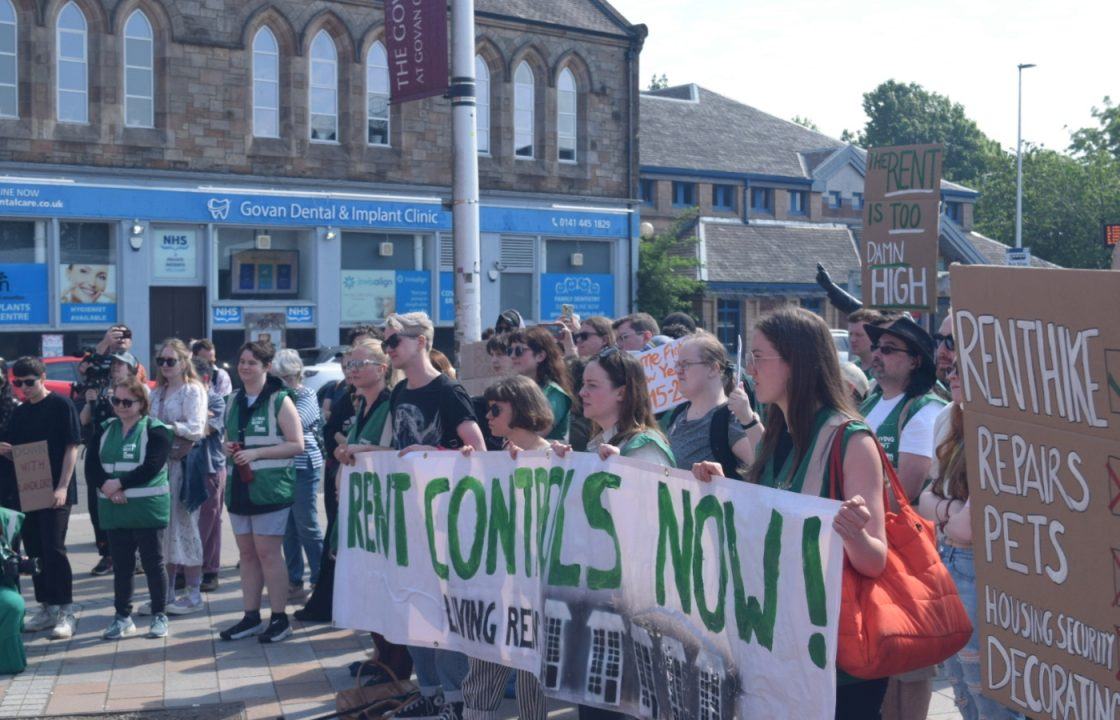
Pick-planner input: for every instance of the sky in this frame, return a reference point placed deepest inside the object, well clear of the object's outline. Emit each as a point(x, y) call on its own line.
point(816, 58)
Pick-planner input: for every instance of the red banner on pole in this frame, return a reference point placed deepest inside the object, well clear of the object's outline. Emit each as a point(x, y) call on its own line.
point(416, 35)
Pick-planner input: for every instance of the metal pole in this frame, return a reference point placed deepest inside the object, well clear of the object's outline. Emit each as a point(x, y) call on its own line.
point(464, 211)
point(1019, 164)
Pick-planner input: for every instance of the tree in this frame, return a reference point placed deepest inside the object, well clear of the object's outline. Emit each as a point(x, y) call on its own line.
point(908, 114)
point(805, 122)
point(658, 83)
point(667, 266)
point(1105, 138)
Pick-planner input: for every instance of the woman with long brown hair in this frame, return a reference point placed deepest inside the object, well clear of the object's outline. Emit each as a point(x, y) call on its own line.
point(537, 355)
point(797, 374)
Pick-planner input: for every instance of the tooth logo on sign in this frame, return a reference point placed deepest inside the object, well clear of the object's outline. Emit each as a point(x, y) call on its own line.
point(219, 209)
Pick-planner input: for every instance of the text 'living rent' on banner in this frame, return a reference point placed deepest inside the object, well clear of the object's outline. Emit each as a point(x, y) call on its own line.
point(1040, 372)
point(619, 583)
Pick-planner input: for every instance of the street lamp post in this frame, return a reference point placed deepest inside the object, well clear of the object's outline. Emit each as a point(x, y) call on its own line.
point(1019, 163)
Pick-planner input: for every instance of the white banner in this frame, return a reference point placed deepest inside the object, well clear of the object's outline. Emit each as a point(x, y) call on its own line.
point(622, 584)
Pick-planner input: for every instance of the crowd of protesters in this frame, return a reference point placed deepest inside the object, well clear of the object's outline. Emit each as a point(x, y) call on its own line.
point(163, 459)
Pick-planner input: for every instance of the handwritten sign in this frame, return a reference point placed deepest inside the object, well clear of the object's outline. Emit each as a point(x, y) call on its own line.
point(33, 476)
point(660, 365)
point(902, 189)
point(1040, 373)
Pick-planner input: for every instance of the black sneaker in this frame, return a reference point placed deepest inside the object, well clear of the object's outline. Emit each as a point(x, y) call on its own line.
point(422, 708)
point(209, 582)
point(278, 629)
point(248, 626)
point(451, 711)
point(104, 566)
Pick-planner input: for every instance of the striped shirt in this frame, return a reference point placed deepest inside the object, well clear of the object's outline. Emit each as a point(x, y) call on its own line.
point(307, 405)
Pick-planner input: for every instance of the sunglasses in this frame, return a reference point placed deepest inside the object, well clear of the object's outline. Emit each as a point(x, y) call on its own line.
point(24, 383)
point(166, 362)
point(582, 336)
point(517, 351)
point(394, 340)
point(359, 364)
point(949, 342)
point(888, 350)
point(122, 402)
point(493, 410)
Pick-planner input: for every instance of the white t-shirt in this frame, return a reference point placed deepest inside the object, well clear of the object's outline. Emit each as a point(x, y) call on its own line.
point(917, 436)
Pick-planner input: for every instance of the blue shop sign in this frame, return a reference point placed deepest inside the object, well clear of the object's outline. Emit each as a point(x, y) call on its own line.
point(588, 294)
point(225, 315)
point(247, 208)
point(23, 294)
point(89, 313)
point(300, 315)
point(414, 291)
point(447, 296)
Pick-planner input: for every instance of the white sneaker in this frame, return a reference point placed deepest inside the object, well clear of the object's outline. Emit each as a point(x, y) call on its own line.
point(67, 623)
point(45, 618)
point(184, 606)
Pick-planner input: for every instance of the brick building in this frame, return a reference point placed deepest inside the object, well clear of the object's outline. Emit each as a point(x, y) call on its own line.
point(207, 167)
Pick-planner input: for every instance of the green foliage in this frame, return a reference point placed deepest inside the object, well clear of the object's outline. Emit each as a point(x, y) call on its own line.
point(658, 82)
point(909, 114)
point(805, 122)
point(667, 266)
point(1106, 138)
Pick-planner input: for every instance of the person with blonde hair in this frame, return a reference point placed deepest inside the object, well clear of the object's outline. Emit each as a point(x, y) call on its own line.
point(180, 401)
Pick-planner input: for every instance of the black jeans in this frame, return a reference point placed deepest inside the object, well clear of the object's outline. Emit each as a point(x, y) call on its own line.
point(100, 537)
point(861, 700)
point(44, 536)
point(123, 545)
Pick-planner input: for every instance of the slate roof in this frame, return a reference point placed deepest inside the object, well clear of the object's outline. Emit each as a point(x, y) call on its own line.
point(996, 252)
point(595, 15)
point(786, 254)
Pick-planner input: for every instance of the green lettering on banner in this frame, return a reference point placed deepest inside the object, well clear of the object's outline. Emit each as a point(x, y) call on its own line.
point(542, 479)
point(814, 587)
point(523, 481)
point(503, 525)
point(560, 574)
point(435, 487)
point(709, 509)
point(750, 618)
point(680, 545)
point(379, 538)
point(466, 569)
point(600, 519)
point(401, 483)
point(355, 529)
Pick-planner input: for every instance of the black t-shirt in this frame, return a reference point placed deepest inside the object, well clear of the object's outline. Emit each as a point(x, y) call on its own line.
point(55, 420)
point(430, 415)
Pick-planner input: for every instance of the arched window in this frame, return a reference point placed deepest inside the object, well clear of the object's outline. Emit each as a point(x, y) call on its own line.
point(566, 99)
point(266, 84)
point(482, 106)
point(9, 61)
point(377, 95)
point(322, 91)
point(72, 65)
point(523, 101)
point(139, 71)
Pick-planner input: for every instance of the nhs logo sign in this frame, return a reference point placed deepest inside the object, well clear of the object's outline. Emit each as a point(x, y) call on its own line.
point(300, 314)
point(225, 315)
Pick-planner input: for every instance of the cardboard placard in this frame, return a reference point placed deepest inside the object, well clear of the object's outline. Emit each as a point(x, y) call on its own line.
point(474, 370)
point(33, 476)
point(902, 194)
point(1040, 374)
point(660, 365)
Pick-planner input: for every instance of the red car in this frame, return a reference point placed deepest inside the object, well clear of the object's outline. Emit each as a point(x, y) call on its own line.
point(62, 373)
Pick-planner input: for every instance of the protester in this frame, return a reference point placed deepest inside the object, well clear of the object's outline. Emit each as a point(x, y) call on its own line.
point(204, 349)
point(341, 391)
point(536, 355)
point(13, 656)
point(50, 417)
point(794, 365)
point(859, 342)
point(303, 535)
point(263, 437)
point(594, 334)
point(704, 427)
point(519, 413)
point(96, 409)
point(497, 347)
point(128, 466)
point(207, 460)
point(945, 356)
point(635, 332)
point(180, 401)
point(9, 494)
point(508, 321)
point(676, 325)
point(118, 339)
point(856, 380)
point(429, 410)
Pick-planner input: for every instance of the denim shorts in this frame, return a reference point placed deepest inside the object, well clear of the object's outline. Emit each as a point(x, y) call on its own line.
point(273, 523)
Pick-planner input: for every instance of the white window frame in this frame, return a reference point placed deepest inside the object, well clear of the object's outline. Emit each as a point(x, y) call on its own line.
point(567, 78)
point(482, 104)
point(555, 647)
point(370, 93)
point(59, 60)
point(131, 63)
point(332, 62)
point(527, 114)
point(14, 55)
point(265, 32)
point(604, 651)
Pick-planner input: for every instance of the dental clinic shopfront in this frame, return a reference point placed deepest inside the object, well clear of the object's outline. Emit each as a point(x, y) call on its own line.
point(296, 264)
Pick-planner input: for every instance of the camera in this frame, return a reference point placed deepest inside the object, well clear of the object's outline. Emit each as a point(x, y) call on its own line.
point(14, 566)
point(97, 376)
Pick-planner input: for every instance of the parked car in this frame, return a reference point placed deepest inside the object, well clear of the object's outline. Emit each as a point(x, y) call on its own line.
point(321, 365)
point(62, 373)
point(843, 344)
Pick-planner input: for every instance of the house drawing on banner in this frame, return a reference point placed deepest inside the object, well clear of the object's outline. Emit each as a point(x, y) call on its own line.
point(604, 667)
point(556, 620)
point(676, 668)
point(643, 656)
point(710, 674)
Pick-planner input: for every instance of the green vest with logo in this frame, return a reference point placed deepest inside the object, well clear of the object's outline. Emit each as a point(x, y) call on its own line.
point(368, 432)
point(890, 430)
point(644, 438)
point(148, 506)
point(273, 479)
